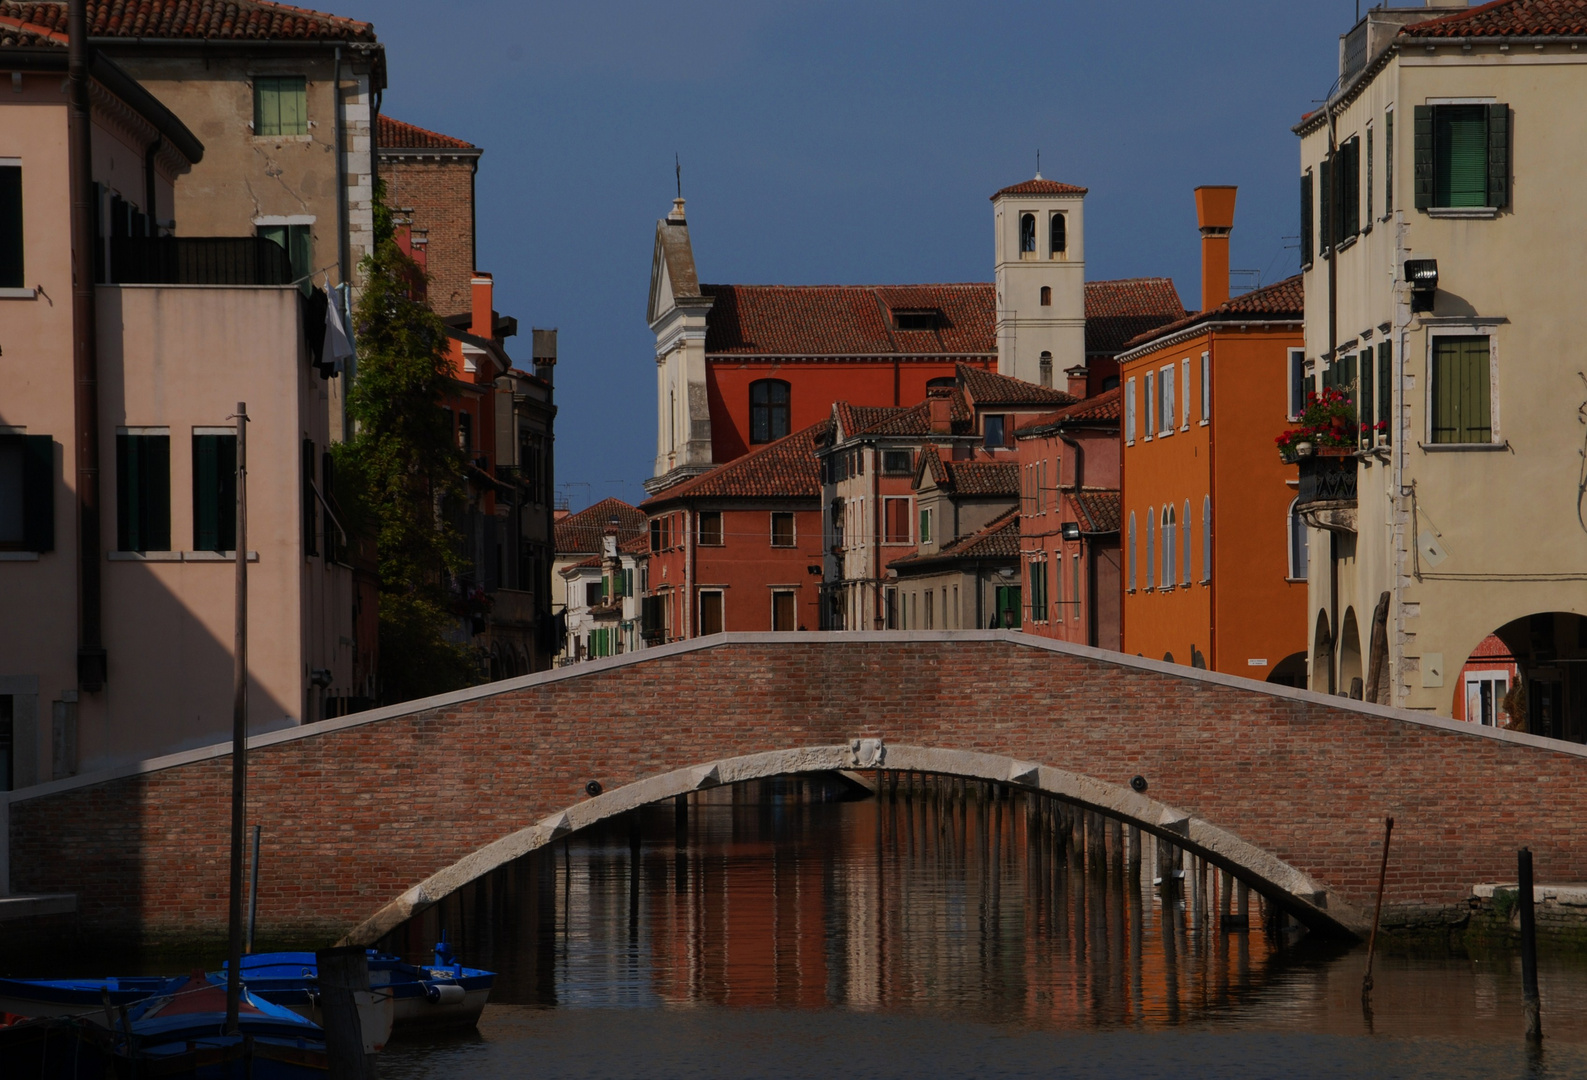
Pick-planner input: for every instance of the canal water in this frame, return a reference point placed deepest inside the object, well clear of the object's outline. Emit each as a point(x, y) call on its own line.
point(787, 929)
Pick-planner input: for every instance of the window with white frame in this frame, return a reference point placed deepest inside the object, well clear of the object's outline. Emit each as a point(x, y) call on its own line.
point(1132, 551)
point(1206, 387)
point(1129, 410)
point(1206, 539)
point(1460, 389)
point(1151, 404)
point(1184, 393)
point(1485, 691)
point(1165, 408)
point(1167, 576)
point(1298, 552)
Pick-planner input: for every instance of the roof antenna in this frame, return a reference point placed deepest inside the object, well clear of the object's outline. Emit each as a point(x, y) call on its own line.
point(678, 168)
point(1038, 163)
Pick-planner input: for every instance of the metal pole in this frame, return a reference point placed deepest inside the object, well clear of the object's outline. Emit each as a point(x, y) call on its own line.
point(253, 891)
point(1529, 997)
point(1377, 911)
point(239, 731)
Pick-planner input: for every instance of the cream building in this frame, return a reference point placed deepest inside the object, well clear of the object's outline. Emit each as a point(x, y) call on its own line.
point(1442, 257)
point(1040, 273)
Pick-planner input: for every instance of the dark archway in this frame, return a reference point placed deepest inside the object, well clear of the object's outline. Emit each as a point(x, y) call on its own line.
point(1290, 671)
point(1528, 675)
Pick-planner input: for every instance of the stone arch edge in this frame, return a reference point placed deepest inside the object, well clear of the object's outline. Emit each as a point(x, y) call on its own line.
point(1312, 903)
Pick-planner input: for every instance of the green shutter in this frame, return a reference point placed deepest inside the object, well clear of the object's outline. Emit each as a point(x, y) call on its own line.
point(294, 114)
point(1461, 390)
point(38, 493)
point(143, 492)
point(1423, 124)
point(12, 272)
point(1369, 178)
point(1350, 189)
point(266, 107)
point(1325, 198)
point(1388, 162)
point(1305, 220)
point(1386, 392)
point(1460, 156)
point(1364, 410)
point(1499, 156)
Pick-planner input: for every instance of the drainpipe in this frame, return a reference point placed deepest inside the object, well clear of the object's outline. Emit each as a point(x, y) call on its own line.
point(1333, 348)
point(85, 353)
point(878, 618)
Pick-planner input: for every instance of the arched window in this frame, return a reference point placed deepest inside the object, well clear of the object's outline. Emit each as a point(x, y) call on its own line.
point(1046, 296)
point(1132, 551)
point(1151, 534)
point(768, 410)
point(1058, 235)
point(947, 381)
point(1184, 537)
point(1167, 575)
point(1027, 233)
point(1046, 366)
point(1299, 556)
point(1206, 538)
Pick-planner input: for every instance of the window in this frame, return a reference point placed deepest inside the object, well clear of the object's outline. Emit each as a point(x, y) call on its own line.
point(1325, 215)
point(782, 529)
point(1305, 219)
point(1008, 607)
point(1165, 386)
point(992, 427)
point(1167, 575)
point(1462, 156)
point(658, 534)
point(327, 487)
point(931, 620)
point(1298, 552)
point(784, 612)
point(1348, 158)
point(1206, 539)
point(1046, 297)
point(1132, 551)
point(897, 462)
point(594, 593)
point(1363, 395)
point(279, 106)
point(915, 320)
point(1058, 584)
point(1206, 388)
point(1041, 486)
point(925, 526)
point(7, 741)
point(214, 491)
point(311, 508)
point(465, 431)
point(298, 242)
point(1385, 422)
point(1151, 404)
point(710, 528)
point(27, 493)
point(143, 491)
point(768, 410)
point(1074, 574)
point(1038, 590)
point(895, 521)
point(1058, 239)
point(13, 275)
point(1184, 544)
point(1388, 164)
point(1460, 390)
point(1485, 692)
point(838, 516)
point(1045, 369)
point(1151, 533)
point(1129, 410)
point(1297, 383)
point(1367, 222)
point(628, 582)
point(1027, 234)
point(890, 603)
point(710, 612)
point(1184, 393)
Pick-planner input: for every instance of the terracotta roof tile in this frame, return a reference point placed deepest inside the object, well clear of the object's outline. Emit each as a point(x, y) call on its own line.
point(998, 540)
point(1282, 299)
point(233, 20)
point(989, 388)
point(582, 531)
point(984, 478)
point(785, 469)
point(1098, 509)
point(396, 135)
point(1104, 406)
point(1118, 310)
point(1038, 186)
point(1540, 18)
point(17, 33)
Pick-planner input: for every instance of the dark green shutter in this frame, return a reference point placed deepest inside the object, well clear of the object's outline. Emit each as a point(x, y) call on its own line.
point(1364, 410)
point(1305, 220)
point(1368, 180)
point(1460, 156)
point(1423, 123)
point(1388, 162)
point(143, 492)
point(1461, 390)
point(1350, 189)
point(1386, 392)
point(12, 272)
point(1499, 156)
point(38, 493)
point(1325, 198)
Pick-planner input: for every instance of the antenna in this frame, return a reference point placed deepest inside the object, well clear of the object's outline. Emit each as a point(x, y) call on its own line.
point(1038, 163)
point(678, 168)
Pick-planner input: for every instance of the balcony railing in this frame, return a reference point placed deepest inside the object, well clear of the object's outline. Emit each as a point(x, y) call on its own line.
point(1327, 481)
point(198, 260)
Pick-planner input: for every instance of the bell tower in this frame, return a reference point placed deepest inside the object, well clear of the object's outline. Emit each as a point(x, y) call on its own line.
point(1039, 229)
point(677, 316)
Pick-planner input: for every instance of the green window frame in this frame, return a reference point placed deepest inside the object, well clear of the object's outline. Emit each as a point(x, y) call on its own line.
point(13, 274)
point(1038, 590)
point(27, 493)
point(1385, 429)
point(1388, 163)
point(143, 492)
point(1008, 607)
point(280, 105)
point(1461, 391)
point(1306, 219)
point(1462, 156)
point(214, 492)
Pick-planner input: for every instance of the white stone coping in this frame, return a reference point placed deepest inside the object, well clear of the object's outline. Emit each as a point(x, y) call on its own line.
point(1569, 895)
point(26, 907)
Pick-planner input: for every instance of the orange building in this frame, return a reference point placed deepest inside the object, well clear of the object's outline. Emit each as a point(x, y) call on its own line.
point(1214, 561)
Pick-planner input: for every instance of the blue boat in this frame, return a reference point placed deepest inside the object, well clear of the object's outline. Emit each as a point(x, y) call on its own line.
point(444, 993)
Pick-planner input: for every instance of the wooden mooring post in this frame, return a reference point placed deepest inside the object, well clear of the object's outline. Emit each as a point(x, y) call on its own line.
point(1531, 1006)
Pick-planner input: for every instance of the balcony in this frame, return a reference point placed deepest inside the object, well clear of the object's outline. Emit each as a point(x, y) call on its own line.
point(198, 260)
point(1327, 494)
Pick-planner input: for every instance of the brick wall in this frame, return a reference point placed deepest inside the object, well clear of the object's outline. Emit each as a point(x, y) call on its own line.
point(355, 814)
point(441, 194)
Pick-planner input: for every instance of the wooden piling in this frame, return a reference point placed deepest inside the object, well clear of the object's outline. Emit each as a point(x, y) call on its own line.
point(1531, 1007)
point(342, 972)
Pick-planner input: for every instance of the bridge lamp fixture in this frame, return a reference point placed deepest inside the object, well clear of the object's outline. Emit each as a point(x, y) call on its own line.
point(593, 788)
point(1071, 530)
point(1138, 784)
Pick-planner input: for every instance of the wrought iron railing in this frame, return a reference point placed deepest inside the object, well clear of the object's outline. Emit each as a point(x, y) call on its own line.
point(1327, 479)
point(198, 260)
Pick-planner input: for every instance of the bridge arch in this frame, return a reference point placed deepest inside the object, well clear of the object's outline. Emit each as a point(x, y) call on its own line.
point(1291, 889)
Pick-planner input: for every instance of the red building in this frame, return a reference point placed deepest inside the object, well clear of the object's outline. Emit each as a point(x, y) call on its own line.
point(1069, 522)
point(738, 548)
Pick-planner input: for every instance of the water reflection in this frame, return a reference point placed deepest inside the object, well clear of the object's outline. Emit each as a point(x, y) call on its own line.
point(974, 904)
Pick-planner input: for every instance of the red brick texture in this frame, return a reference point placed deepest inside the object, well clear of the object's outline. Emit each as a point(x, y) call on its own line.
point(354, 816)
point(440, 192)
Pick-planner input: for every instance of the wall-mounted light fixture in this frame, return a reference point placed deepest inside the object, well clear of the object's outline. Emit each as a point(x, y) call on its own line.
point(1071, 530)
point(1423, 277)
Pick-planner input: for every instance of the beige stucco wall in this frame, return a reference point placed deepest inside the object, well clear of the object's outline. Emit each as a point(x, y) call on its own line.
point(1507, 516)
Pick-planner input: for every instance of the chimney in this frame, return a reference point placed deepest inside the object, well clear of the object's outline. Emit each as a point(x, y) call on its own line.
point(939, 404)
point(545, 352)
point(1078, 380)
point(1215, 216)
point(484, 324)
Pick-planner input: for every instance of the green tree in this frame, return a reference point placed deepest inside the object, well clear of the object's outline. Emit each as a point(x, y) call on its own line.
point(403, 465)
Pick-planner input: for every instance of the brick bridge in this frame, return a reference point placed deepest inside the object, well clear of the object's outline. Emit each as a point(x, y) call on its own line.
point(371, 818)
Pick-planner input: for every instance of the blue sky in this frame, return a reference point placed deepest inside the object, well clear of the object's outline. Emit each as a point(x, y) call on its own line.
point(853, 142)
